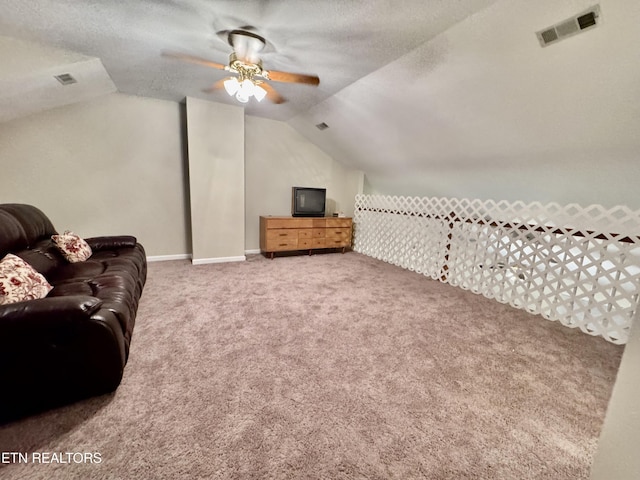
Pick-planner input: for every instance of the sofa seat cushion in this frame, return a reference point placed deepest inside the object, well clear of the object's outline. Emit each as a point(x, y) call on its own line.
point(118, 294)
point(126, 258)
point(80, 271)
point(43, 256)
point(130, 260)
point(116, 277)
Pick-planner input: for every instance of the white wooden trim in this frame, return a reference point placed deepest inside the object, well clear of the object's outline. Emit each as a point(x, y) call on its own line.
point(164, 258)
point(203, 261)
point(252, 252)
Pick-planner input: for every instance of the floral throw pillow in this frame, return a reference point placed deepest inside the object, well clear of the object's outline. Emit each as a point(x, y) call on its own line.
point(19, 281)
point(74, 248)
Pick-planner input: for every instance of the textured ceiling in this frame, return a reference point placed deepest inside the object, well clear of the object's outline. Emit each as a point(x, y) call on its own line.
point(338, 41)
point(418, 90)
point(28, 84)
point(484, 95)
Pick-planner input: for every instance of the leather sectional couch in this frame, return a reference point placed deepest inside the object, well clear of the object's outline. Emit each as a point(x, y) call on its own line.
point(74, 343)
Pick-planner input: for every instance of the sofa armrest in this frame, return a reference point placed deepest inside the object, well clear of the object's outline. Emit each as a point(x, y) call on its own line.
point(55, 350)
point(111, 242)
point(45, 313)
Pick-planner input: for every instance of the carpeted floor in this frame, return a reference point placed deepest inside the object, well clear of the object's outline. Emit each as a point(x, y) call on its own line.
point(330, 367)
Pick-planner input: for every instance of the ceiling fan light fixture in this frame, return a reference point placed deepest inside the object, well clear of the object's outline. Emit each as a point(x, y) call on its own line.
point(247, 87)
point(259, 93)
point(241, 97)
point(232, 86)
point(244, 90)
point(249, 78)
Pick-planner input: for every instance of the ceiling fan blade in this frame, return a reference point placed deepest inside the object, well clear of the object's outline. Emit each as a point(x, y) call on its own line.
point(272, 95)
point(192, 59)
point(216, 86)
point(293, 77)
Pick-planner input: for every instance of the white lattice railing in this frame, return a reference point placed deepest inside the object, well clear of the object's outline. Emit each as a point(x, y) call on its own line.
point(578, 265)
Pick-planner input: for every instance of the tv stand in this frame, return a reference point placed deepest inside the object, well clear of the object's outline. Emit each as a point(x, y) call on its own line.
point(287, 234)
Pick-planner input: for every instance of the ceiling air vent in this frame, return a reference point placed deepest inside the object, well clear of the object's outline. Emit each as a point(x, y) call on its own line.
point(65, 79)
point(322, 126)
point(569, 27)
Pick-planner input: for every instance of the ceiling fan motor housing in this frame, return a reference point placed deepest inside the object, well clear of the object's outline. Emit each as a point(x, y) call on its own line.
point(245, 62)
point(246, 45)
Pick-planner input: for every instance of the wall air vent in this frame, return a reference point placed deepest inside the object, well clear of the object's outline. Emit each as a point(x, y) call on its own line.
point(322, 126)
point(569, 27)
point(65, 79)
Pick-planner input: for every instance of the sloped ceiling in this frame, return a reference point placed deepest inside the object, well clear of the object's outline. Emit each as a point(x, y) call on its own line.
point(485, 90)
point(339, 41)
point(28, 84)
point(407, 88)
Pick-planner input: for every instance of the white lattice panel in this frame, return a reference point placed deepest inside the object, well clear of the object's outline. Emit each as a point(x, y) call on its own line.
point(578, 265)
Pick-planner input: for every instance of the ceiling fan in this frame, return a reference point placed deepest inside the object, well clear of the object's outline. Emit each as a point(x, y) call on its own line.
point(251, 78)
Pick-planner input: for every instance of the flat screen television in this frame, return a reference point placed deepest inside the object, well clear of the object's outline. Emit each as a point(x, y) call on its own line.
point(308, 201)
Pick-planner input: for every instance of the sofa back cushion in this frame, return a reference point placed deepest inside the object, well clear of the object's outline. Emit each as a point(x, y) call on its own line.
point(21, 227)
point(12, 235)
point(26, 232)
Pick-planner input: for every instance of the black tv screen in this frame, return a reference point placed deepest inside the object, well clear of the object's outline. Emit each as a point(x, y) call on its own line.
point(308, 201)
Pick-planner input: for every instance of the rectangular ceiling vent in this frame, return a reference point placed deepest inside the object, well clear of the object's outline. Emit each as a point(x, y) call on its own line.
point(322, 126)
point(569, 27)
point(65, 79)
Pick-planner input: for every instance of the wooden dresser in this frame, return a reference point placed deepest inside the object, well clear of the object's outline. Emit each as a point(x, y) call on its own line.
point(283, 234)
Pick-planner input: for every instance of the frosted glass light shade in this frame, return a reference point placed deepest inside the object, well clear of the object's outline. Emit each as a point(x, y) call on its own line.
point(247, 87)
point(241, 97)
point(259, 92)
point(232, 85)
point(244, 90)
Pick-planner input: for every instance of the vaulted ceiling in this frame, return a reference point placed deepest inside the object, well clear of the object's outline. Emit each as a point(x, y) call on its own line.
point(339, 41)
point(404, 86)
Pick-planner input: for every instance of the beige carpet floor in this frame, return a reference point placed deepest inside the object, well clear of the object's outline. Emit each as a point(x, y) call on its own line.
point(330, 367)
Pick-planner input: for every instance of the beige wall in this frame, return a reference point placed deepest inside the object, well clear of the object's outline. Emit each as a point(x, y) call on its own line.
point(278, 158)
point(112, 165)
point(607, 178)
point(118, 165)
point(216, 177)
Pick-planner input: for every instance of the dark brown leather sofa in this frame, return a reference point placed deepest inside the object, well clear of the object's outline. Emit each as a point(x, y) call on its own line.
point(74, 343)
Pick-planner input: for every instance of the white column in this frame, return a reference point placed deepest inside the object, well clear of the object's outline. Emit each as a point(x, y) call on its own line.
point(618, 454)
point(215, 139)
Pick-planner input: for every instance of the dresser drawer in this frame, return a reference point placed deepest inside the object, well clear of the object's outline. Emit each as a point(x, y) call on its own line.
point(305, 243)
point(317, 233)
point(344, 233)
point(338, 222)
point(280, 222)
point(337, 242)
point(279, 234)
point(318, 242)
point(282, 239)
point(284, 243)
point(304, 233)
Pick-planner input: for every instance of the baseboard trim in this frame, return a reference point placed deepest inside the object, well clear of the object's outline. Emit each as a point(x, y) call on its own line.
point(203, 261)
point(164, 258)
point(252, 252)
